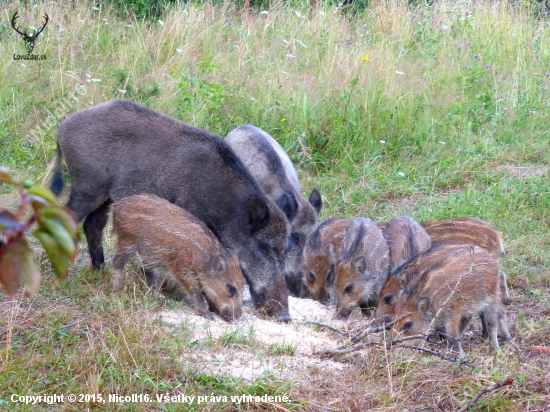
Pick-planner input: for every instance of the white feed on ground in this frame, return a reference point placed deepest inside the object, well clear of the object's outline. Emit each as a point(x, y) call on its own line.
point(261, 344)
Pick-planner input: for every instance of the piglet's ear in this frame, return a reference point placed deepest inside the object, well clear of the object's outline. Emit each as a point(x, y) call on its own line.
point(423, 304)
point(402, 278)
point(220, 263)
point(360, 264)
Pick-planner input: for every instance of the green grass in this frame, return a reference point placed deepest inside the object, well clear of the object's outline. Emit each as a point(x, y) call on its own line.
point(434, 111)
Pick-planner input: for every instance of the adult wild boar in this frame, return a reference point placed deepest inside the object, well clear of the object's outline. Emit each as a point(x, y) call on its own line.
point(170, 239)
point(271, 167)
point(118, 149)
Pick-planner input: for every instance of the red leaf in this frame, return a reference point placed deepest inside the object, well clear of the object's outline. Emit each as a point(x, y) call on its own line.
point(9, 223)
point(18, 267)
point(541, 349)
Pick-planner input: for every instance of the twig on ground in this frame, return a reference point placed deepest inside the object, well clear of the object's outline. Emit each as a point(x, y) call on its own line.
point(324, 325)
point(73, 323)
point(483, 391)
point(452, 359)
point(378, 328)
point(349, 349)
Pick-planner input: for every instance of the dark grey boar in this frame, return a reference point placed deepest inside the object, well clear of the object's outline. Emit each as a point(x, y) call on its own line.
point(273, 170)
point(449, 292)
point(119, 149)
point(170, 239)
point(406, 239)
point(361, 268)
point(318, 268)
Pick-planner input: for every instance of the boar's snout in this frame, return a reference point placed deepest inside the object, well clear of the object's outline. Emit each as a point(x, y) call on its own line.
point(343, 312)
point(380, 320)
point(321, 295)
point(231, 313)
point(294, 283)
point(283, 317)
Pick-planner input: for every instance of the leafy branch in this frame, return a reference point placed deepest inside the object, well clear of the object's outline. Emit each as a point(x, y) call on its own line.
point(56, 227)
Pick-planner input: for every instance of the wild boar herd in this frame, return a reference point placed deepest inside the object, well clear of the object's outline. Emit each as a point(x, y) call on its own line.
point(214, 213)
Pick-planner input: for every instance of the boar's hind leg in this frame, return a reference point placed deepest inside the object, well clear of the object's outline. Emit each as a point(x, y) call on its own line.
point(93, 228)
point(491, 314)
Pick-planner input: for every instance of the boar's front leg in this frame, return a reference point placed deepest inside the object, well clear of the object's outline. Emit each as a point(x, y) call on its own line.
point(93, 228)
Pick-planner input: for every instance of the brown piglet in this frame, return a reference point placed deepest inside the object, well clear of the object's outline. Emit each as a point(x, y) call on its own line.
point(406, 239)
point(451, 289)
point(468, 231)
point(318, 257)
point(361, 268)
point(170, 239)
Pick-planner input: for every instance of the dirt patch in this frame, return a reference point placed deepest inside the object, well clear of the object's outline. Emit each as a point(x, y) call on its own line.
point(525, 172)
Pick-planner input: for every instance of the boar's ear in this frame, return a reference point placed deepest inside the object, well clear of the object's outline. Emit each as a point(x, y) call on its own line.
point(360, 264)
point(288, 204)
point(220, 263)
point(402, 278)
point(256, 214)
point(423, 304)
point(316, 200)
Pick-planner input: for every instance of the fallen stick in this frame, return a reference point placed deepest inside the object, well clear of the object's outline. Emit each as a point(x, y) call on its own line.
point(345, 350)
point(483, 391)
point(378, 328)
point(324, 325)
point(435, 353)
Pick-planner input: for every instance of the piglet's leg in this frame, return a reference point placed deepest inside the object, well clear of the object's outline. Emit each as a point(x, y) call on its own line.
point(503, 327)
point(188, 280)
point(491, 316)
point(452, 332)
point(119, 276)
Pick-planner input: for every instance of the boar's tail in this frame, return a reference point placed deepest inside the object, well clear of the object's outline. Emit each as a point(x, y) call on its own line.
point(56, 186)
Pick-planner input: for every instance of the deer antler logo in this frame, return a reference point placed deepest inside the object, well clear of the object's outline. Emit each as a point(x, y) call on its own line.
point(29, 39)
